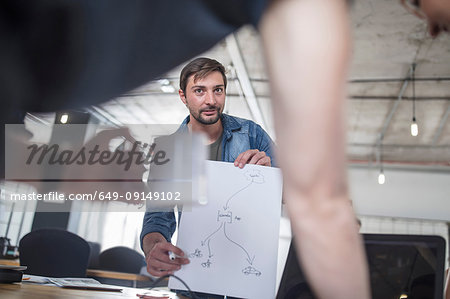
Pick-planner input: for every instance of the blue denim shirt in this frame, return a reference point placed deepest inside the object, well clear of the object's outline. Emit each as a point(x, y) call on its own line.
point(238, 136)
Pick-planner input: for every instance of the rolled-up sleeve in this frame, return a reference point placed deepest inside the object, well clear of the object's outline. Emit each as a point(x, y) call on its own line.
point(263, 142)
point(161, 222)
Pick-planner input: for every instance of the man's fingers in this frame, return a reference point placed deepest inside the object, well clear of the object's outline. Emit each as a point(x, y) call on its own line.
point(258, 156)
point(182, 260)
point(253, 156)
point(159, 262)
point(176, 250)
point(244, 157)
point(166, 247)
point(264, 161)
point(163, 266)
point(180, 256)
point(238, 159)
point(161, 252)
point(248, 155)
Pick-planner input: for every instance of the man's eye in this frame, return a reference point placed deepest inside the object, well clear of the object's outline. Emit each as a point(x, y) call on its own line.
point(219, 89)
point(198, 91)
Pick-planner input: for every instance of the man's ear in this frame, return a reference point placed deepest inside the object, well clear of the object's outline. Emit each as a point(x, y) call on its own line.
point(182, 96)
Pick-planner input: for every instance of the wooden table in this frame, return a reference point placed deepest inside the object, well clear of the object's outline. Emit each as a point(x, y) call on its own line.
point(95, 273)
point(28, 290)
point(116, 275)
point(14, 262)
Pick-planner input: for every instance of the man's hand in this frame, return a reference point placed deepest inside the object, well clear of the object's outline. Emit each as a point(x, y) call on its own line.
point(252, 156)
point(157, 258)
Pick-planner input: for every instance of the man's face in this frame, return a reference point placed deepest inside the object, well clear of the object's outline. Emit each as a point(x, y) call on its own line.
point(437, 13)
point(205, 98)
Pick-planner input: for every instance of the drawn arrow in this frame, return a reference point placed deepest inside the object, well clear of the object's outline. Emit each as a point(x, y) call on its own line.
point(249, 259)
point(209, 249)
point(207, 238)
point(228, 201)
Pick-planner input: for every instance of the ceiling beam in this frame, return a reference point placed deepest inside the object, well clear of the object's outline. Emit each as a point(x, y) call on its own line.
point(378, 149)
point(351, 97)
point(441, 127)
point(390, 98)
point(36, 119)
point(368, 80)
point(397, 102)
point(394, 146)
point(384, 80)
point(244, 80)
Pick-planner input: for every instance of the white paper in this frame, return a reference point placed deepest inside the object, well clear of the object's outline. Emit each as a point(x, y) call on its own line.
point(83, 283)
point(70, 282)
point(232, 242)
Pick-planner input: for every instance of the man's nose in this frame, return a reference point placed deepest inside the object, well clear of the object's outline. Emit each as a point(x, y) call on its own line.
point(210, 98)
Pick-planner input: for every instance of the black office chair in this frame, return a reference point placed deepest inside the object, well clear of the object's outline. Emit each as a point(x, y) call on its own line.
point(121, 259)
point(54, 253)
point(94, 262)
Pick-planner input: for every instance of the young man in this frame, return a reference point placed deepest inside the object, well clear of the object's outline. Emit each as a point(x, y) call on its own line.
point(231, 139)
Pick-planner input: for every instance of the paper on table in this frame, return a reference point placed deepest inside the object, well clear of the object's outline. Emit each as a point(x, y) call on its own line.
point(36, 279)
point(69, 282)
point(83, 283)
point(232, 242)
point(10, 267)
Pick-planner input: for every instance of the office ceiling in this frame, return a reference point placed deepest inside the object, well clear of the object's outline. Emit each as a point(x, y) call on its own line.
point(387, 41)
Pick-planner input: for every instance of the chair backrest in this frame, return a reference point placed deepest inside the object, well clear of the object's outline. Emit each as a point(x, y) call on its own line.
point(447, 285)
point(121, 259)
point(94, 262)
point(54, 253)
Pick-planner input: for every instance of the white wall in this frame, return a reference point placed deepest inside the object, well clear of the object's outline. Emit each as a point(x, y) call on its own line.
point(410, 202)
point(407, 194)
point(21, 221)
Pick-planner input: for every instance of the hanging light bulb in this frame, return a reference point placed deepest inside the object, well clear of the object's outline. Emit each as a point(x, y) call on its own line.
point(414, 128)
point(64, 118)
point(381, 178)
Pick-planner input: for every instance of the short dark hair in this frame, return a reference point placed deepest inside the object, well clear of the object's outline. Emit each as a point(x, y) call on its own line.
point(200, 68)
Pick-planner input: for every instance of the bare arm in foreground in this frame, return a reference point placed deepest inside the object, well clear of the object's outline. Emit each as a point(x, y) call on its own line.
point(307, 45)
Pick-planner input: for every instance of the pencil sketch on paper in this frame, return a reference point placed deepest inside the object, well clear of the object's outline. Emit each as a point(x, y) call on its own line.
point(232, 242)
point(224, 220)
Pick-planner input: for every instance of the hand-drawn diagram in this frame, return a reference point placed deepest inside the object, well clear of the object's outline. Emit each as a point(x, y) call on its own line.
point(232, 242)
point(224, 219)
point(197, 253)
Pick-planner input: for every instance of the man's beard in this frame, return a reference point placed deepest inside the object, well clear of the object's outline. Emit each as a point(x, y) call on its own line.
point(210, 121)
